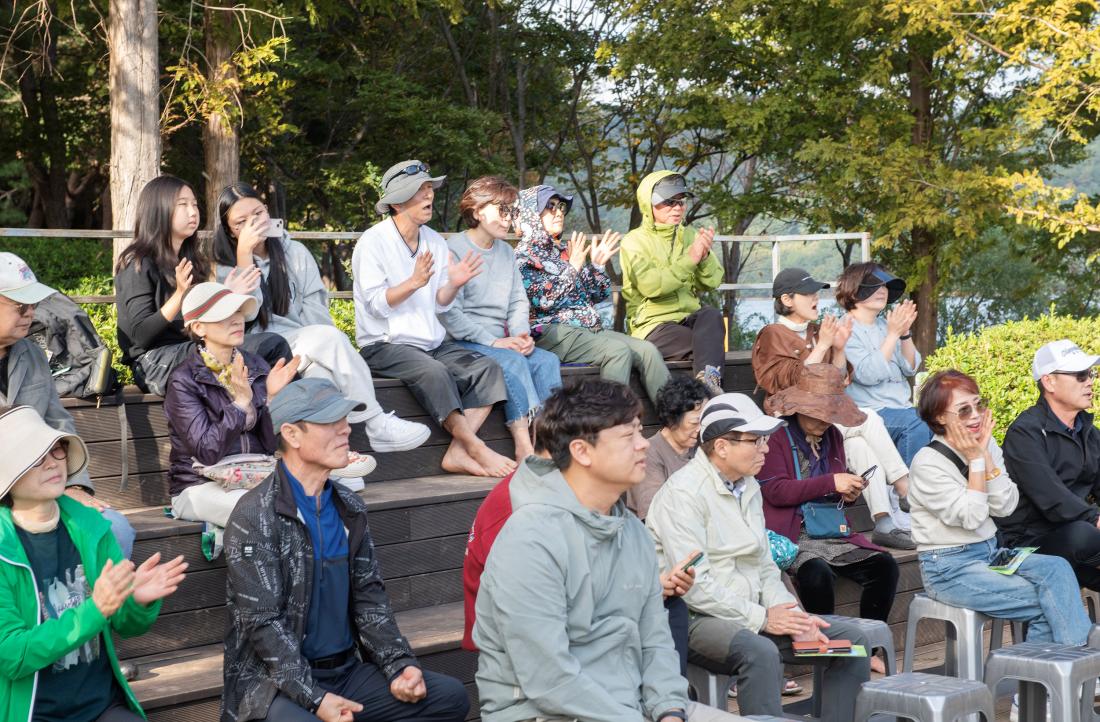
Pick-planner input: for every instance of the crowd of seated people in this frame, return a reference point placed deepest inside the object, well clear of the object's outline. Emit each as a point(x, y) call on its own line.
point(622, 558)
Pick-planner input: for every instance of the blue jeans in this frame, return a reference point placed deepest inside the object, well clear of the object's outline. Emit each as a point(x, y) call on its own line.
point(529, 379)
point(1042, 592)
point(908, 430)
point(123, 531)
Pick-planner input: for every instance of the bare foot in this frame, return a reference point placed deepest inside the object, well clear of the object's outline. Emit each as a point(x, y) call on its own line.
point(457, 461)
point(877, 665)
point(524, 448)
point(491, 461)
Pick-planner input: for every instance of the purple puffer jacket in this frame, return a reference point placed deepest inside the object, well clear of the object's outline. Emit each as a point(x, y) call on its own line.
point(203, 423)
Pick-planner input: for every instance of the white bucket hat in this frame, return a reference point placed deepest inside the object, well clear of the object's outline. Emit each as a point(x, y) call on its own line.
point(27, 440)
point(212, 302)
point(401, 182)
point(17, 280)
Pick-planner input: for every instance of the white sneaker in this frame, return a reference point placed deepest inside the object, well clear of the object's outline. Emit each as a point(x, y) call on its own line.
point(359, 465)
point(389, 432)
point(1014, 713)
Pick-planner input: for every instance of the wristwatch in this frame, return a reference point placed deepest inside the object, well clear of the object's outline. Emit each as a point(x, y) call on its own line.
point(906, 337)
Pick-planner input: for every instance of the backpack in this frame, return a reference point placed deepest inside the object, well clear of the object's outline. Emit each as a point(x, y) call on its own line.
point(79, 359)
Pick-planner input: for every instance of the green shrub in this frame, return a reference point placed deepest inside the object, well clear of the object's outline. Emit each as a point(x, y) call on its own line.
point(999, 359)
point(343, 315)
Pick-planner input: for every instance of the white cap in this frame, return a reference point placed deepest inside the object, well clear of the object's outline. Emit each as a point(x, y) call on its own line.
point(212, 302)
point(735, 412)
point(1061, 355)
point(17, 281)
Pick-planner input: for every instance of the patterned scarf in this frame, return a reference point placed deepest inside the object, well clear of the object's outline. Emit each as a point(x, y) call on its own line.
point(222, 372)
point(533, 233)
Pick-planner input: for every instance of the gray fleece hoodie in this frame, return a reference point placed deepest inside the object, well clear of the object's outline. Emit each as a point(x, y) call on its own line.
point(570, 620)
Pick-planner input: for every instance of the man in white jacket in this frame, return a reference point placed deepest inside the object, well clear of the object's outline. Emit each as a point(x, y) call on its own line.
point(744, 620)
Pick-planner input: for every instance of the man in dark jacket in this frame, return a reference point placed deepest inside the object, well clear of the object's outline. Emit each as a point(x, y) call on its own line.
point(1052, 452)
point(313, 635)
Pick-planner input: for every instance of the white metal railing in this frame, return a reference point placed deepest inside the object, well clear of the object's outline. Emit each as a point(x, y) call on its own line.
point(776, 242)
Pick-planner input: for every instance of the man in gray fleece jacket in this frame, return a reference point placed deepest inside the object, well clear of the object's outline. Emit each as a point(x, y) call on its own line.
point(570, 619)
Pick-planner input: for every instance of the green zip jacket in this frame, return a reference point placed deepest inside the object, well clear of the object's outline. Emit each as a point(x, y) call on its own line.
point(660, 282)
point(28, 644)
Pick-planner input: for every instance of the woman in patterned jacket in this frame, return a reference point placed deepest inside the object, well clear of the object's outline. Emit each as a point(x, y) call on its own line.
point(565, 281)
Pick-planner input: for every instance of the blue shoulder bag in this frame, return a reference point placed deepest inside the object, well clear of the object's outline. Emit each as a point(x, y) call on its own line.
point(823, 520)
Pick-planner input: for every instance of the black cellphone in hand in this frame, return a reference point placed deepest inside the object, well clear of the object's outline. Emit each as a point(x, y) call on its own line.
point(693, 561)
point(867, 474)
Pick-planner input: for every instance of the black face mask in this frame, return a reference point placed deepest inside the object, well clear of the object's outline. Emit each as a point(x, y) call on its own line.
point(879, 277)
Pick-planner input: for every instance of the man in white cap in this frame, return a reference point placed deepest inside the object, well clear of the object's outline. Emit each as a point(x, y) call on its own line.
point(404, 278)
point(1052, 452)
point(313, 635)
point(745, 620)
point(26, 380)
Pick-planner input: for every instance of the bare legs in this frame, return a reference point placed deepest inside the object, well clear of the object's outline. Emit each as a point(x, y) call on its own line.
point(521, 438)
point(468, 454)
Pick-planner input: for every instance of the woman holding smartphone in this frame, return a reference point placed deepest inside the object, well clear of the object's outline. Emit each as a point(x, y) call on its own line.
point(957, 487)
point(294, 303)
point(804, 479)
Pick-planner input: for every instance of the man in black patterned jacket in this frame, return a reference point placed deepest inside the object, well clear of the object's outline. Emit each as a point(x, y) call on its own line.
point(313, 635)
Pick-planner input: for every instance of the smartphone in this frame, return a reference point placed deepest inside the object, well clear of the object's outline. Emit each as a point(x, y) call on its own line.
point(276, 227)
point(693, 561)
point(867, 474)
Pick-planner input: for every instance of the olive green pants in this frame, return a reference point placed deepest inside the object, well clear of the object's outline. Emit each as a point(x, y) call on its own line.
point(615, 353)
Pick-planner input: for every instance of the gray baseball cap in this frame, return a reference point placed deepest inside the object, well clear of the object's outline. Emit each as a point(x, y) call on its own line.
point(669, 187)
point(314, 399)
point(402, 181)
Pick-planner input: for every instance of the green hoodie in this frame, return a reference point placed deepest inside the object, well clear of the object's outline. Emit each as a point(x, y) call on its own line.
point(660, 282)
point(28, 644)
point(570, 620)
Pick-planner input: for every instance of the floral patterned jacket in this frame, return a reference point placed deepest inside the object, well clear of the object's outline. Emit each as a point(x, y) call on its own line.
point(558, 292)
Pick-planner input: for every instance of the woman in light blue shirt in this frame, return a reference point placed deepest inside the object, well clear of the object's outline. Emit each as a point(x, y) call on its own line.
point(882, 352)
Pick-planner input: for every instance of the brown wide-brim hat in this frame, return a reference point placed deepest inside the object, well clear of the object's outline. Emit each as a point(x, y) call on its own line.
point(818, 394)
point(27, 438)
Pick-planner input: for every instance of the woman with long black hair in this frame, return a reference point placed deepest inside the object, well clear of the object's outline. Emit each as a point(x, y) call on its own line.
point(294, 304)
point(153, 275)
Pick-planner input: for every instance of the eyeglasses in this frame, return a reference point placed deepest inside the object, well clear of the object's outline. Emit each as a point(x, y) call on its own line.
point(555, 206)
point(1080, 376)
point(507, 211)
point(408, 170)
point(60, 452)
point(21, 308)
point(674, 203)
point(967, 410)
point(759, 441)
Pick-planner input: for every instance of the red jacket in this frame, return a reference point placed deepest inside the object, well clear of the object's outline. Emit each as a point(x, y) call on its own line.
point(784, 493)
point(488, 522)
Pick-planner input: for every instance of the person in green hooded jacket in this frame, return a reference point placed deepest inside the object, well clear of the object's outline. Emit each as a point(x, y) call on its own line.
point(666, 266)
point(64, 585)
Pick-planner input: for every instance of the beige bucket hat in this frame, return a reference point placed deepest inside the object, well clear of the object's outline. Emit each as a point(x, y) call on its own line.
point(27, 439)
point(213, 302)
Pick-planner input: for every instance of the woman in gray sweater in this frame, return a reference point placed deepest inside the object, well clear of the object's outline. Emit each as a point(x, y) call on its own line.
point(957, 485)
point(491, 313)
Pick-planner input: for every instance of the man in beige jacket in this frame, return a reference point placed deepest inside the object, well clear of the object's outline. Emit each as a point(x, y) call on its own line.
point(744, 621)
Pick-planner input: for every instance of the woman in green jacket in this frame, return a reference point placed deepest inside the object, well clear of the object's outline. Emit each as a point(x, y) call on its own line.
point(64, 585)
point(666, 267)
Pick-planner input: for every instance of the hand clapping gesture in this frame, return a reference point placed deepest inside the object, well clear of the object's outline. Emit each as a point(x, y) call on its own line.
point(114, 585)
point(281, 374)
point(700, 247)
point(238, 382)
point(153, 580)
point(604, 248)
point(459, 273)
point(243, 281)
point(842, 333)
point(183, 277)
point(423, 270)
point(900, 318)
point(578, 250)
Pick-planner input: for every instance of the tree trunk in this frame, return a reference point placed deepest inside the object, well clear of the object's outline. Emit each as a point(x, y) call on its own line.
point(925, 246)
point(135, 106)
point(221, 133)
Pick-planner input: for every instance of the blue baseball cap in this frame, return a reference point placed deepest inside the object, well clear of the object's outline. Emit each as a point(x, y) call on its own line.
point(546, 193)
point(315, 400)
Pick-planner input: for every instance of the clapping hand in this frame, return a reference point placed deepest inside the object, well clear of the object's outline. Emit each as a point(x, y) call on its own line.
point(900, 318)
point(604, 248)
point(113, 587)
point(423, 270)
point(459, 273)
point(842, 333)
point(239, 384)
point(153, 580)
point(281, 374)
point(700, 247)
point(243, 281)
point(578, 250)
point(183, 276)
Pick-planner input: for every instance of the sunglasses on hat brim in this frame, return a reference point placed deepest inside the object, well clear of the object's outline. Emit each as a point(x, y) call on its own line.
point(413, 169)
